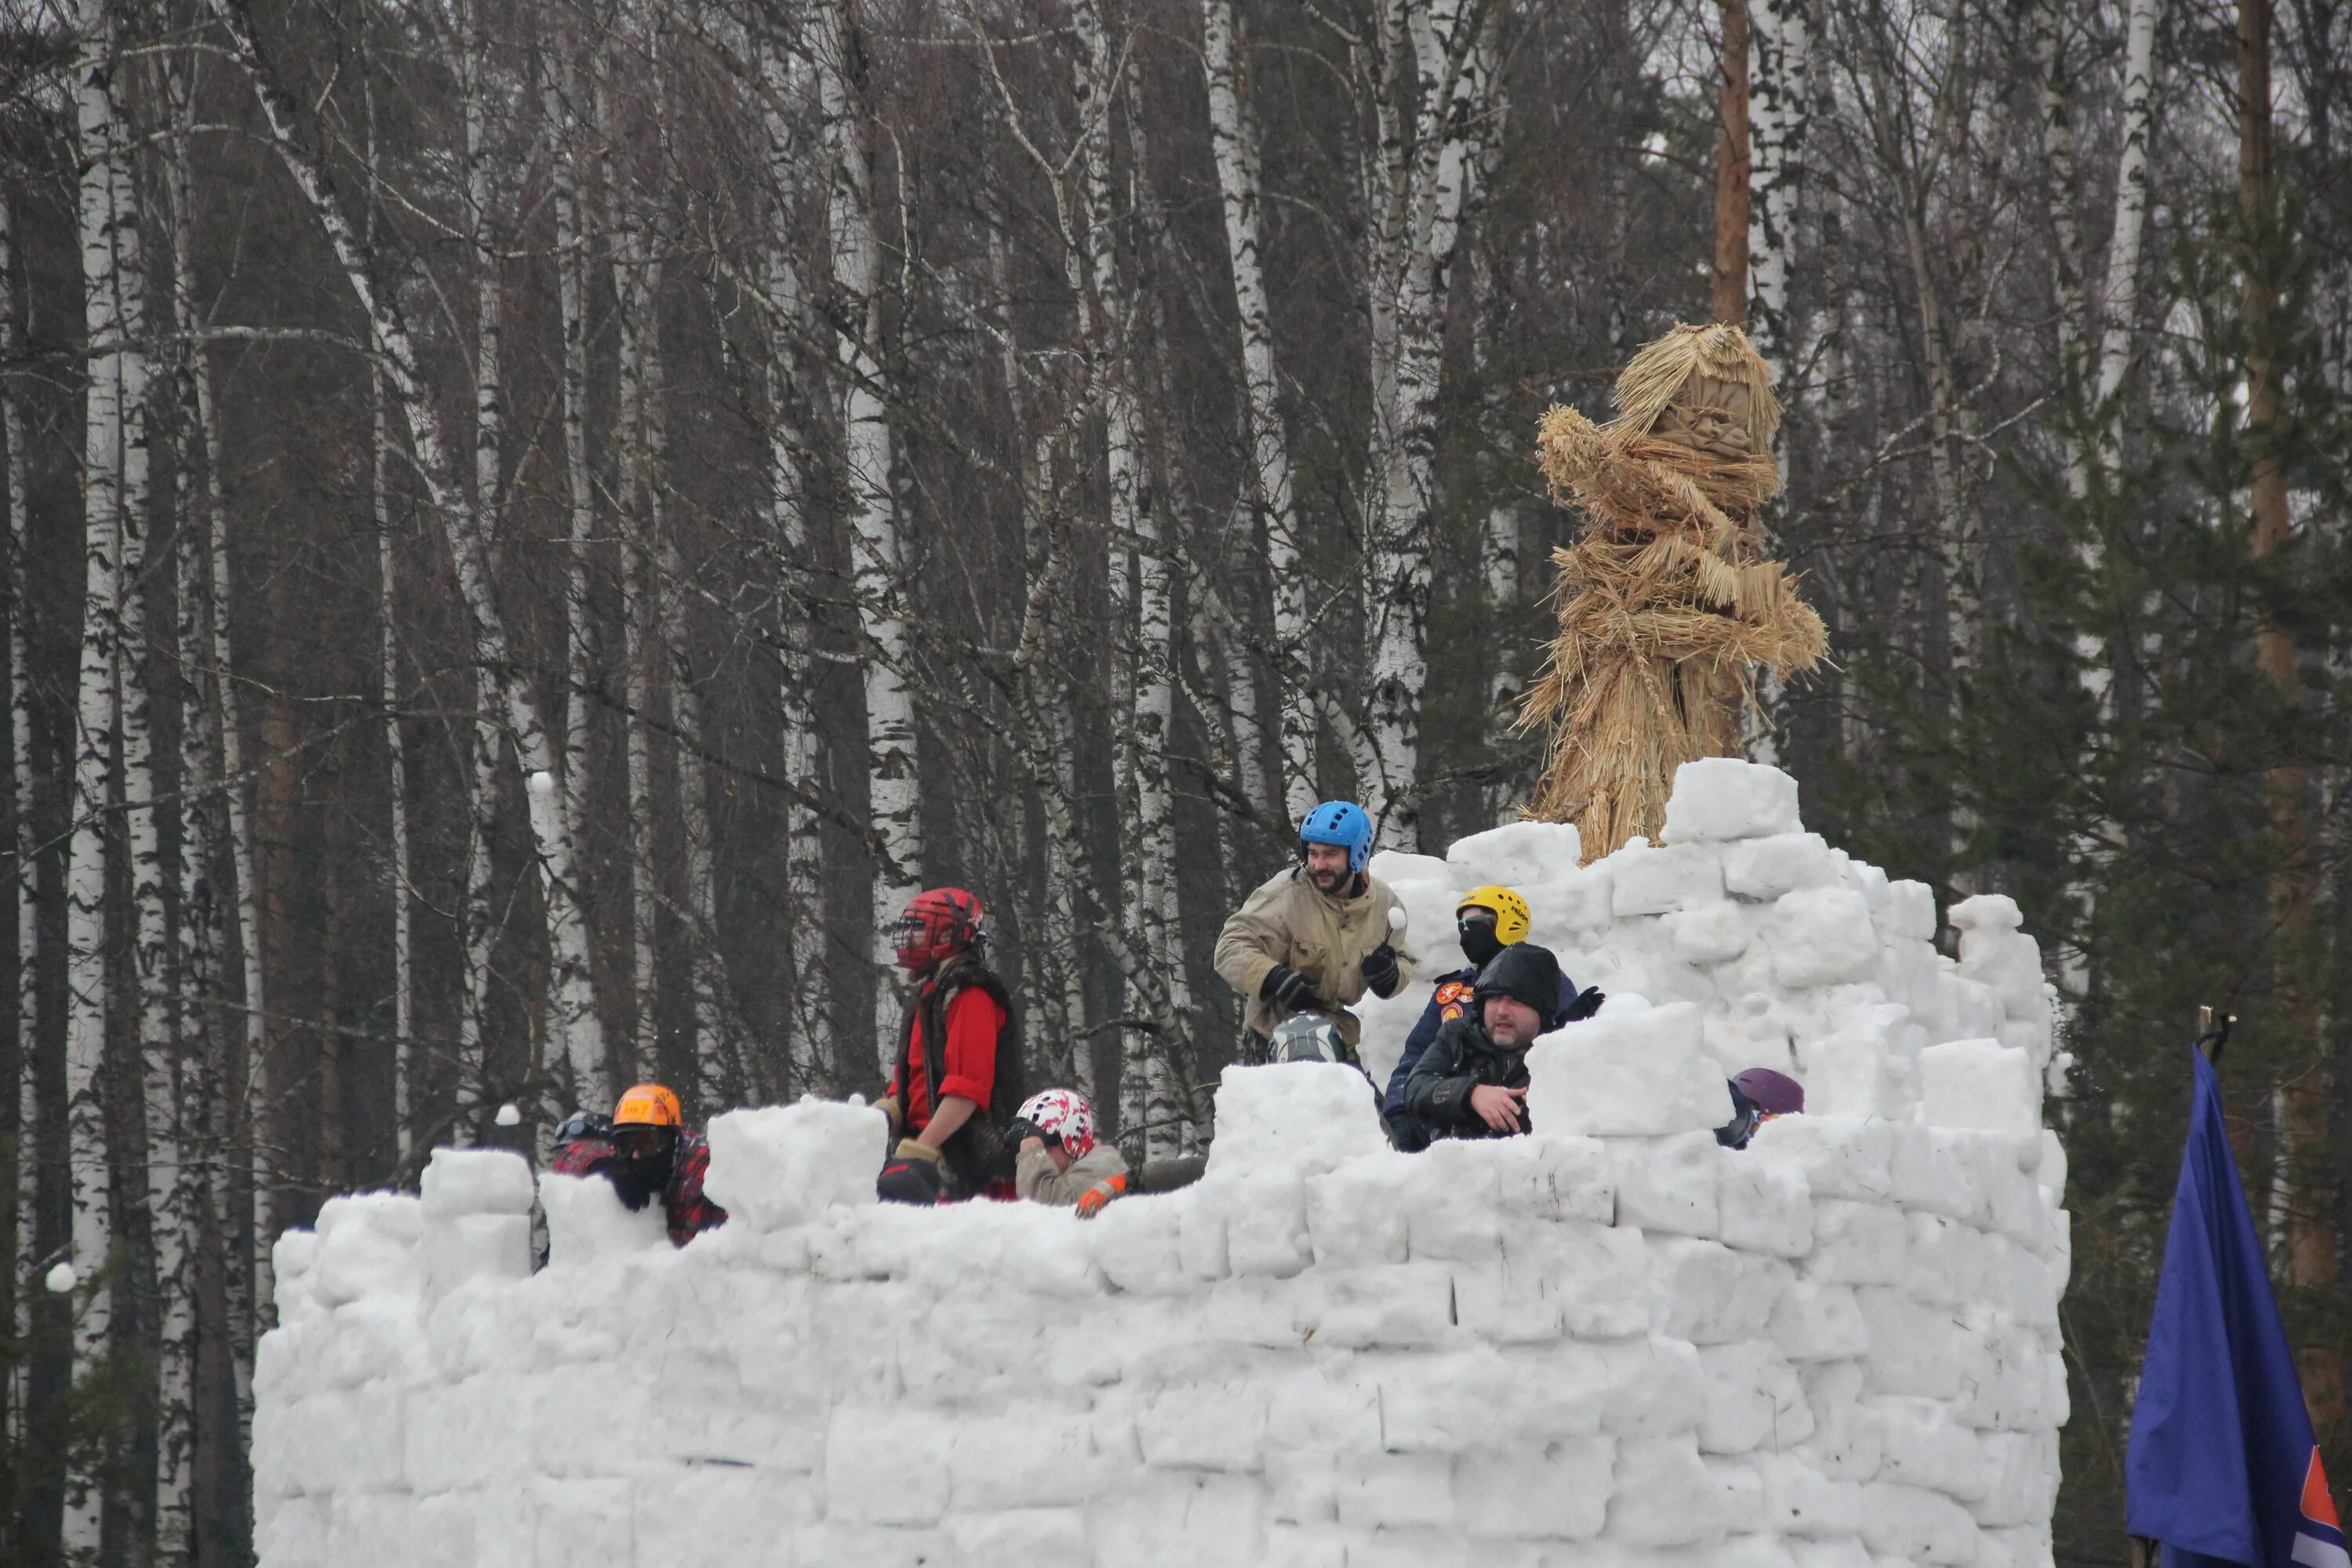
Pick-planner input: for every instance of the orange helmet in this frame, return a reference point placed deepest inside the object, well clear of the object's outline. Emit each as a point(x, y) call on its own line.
point(649, 1105)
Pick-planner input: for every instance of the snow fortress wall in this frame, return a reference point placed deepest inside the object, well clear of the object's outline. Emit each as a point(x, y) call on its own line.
point(1609, 1342)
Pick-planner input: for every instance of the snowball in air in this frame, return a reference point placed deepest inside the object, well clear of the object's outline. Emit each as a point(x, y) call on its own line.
point(509, 1114)
point(1396, 917)
point(61, 1279)
point(542, 783)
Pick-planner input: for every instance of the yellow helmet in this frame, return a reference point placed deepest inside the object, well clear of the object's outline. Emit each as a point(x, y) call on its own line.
point(649, 1105)
point(1512, 918)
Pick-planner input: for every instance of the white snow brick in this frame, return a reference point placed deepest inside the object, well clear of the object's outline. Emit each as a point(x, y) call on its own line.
point(1036, 1458)
point(867, 1545)
point(1916, 1524)
point(1711, 933)
point(1454, 1402)
point(367, 1245)
point(1664, 1495)
point(292, 1533)
point(1752, 1399)
point(2050, 1173)
point(1206, 1427)
point(2006, 1379)
point(476, 1180)
point(1718, 798)
point(1634, 1074)
point(2020, 1478)
point(2026, 1548)
point(1376, 1491)
point(1939, 1169)
point(1914, 1349)
point(1452, 1203)
point(1137, 1246)
point(1740, 1490)
point(1819, 1322)
point(1266, 1225)
point(886, 1466)
point(1407, 1304)
point(1800, 1500)
point(2025, 1289)
point(1655, 1389)
point(1322, 1407)
point(1767, 1206)
point(1855, 1243)
point(1923, 1446)
point(291, 1259)
point(1841, 1157)
point(1754, 1034)
point(1553, 1177)
point(474, 1246)
point(1306, 1117)
point(1908, 914)
point(1755, 1550)
point(1517, 854)
point(1950, 1262)
point(1319, 1544)
point(1981, 1084)
point(1020, 1535)
point(1302, 1488)
point(784, 1165)
point(1821, 936)
point(1705, 1292)
point(717, 1515)
point(1762, 869)
point(1670, 1183)
point(1847, 1440)
point(1355, 1215)
point(1595, 1273)
point(1557, 1492)
point(586, 1224)
point(1201, 1233)
point(1650, 882)
point(1833, 1551)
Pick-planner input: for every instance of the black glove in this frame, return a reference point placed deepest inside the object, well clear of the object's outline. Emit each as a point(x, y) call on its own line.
point(1022, 1128)
point(1380, 969)
point(1286, 987)
point(1588, 1002)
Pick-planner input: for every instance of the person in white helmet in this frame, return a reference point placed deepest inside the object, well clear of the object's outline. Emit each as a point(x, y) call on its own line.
point(1058, 1158)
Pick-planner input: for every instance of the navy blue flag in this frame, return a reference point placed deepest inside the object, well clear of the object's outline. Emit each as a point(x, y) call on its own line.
point(2222, 1465)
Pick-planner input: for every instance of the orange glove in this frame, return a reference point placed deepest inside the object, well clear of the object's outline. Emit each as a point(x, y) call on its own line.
point(1091, 1201)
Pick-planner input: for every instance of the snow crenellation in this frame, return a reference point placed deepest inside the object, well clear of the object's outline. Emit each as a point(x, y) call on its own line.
point(1610, 1341)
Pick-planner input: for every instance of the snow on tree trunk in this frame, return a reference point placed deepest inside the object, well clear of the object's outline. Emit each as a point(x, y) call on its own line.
point(869, 463)
point(578, 1035)
point(1427, 179)
point(788, 320)
point(1233, 136)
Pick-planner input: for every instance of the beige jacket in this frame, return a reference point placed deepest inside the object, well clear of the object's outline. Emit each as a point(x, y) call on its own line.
point(1034, 1178)
point(1289, 920)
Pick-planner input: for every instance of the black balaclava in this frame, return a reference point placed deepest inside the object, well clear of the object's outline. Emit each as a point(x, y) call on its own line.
point(1475, 927)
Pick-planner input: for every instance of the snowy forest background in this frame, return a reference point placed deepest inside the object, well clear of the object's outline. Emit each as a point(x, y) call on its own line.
point(845, 445)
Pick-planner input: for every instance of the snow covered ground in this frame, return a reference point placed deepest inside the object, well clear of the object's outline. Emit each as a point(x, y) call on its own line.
point(1608, 1343)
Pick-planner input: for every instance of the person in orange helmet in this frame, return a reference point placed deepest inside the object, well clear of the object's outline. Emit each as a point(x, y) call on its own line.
point(646, 1151)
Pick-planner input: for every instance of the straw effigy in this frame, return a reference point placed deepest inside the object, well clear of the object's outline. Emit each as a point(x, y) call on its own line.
point(1665, 604)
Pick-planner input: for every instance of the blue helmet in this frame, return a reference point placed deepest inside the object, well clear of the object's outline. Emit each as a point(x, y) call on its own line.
point(1340, 822)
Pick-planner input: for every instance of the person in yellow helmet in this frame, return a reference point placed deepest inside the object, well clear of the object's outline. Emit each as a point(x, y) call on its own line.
point(646, 1151)
point(1487, 920)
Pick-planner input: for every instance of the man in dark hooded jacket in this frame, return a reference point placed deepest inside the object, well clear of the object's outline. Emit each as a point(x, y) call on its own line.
point(1472, 1081)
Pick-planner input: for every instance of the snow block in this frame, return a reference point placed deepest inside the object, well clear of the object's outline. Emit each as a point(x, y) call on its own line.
point(786, 1165)
point(1717, 798)
point(1644, 880)
point(1822, 936)
point(1633, 1075)
point(1311, 1117)
point(1981, 1084)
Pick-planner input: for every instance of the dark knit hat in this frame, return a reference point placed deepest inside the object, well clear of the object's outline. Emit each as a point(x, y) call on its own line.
point(1524, 973)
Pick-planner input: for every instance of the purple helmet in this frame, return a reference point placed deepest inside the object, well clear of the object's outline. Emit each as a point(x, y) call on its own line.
point(1775, 1093)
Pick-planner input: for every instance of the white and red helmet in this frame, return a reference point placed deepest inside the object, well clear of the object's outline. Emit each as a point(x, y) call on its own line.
point(1063, 1114)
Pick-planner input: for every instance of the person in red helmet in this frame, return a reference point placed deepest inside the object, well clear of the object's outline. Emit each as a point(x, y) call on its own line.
point(956, 1055)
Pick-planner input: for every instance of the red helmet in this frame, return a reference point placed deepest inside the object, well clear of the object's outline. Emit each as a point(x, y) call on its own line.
point(937, 924)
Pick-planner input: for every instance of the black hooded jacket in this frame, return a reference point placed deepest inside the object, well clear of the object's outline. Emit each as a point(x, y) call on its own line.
point(1463, 1055)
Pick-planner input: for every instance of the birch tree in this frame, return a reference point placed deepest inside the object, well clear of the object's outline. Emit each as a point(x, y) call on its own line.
point(868, 462)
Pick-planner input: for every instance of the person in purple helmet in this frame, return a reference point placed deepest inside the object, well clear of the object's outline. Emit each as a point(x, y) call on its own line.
point(1758, 1095)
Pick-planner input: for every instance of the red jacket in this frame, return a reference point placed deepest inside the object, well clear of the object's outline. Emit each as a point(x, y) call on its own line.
point(685, 1209)
point(974, 1021)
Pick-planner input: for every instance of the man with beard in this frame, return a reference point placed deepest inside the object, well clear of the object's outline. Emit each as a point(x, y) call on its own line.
point(1471, 1083)
point(1316, 937)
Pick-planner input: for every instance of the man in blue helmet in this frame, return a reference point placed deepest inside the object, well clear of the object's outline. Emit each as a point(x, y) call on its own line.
point(1316, 937)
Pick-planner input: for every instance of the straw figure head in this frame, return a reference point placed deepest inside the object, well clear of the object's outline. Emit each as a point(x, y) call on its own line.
point(1667, 604)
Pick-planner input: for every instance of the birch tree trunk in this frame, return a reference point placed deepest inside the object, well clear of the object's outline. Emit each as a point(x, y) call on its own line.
point(578, 1036)
point(1780, 102)
point(869, 461)
point(1233, 136)
point(24, 839)
point(1429, 187)
point(782, 87)
point(110, 434)
point(404, 945)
